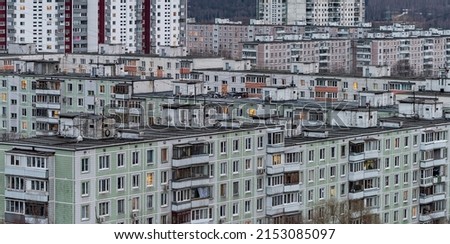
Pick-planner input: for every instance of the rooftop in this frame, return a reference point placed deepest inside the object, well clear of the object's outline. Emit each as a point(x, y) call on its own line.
point(153, 134)
point(336, 132)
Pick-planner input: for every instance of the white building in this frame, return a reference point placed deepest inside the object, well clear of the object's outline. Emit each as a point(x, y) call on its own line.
point(168, 24)
point(35, 22)
point(121, 24)
point(312, 12)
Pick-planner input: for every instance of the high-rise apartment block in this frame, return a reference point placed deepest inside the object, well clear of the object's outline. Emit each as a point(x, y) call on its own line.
point(311, 12)
point(138, 26)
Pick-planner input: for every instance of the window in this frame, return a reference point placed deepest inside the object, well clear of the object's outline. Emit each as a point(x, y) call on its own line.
point(163, 199)
point(135, 158)
point(135, 181)
point(103, 209)
point(248, 143)
point(149, 179)
point(311, 175)
point(150, 156)
point(84, 165)
point(260, 142)
point(332, 171)
point(259, 162)
point(311, 155)
point(85, 189)
point(121, 206)
point(396, 216)
point(235, 209)
point(322, 154)
point(405, 178)
point(386, 163)
point(223, 168)
point(223, 189)
point(84, 212)
point(222, 211)
point(235, 188)
point(247, 185)
point(150, 201)
point(406, 141)
point(415, 140)
point(103, 185)
point(276, 159)
point(342, 169)
point(103, 162)
point(321, 193)
point(223, 147)
point(210, 148)
point(235, 167)
point(386, 181)
point(321, 173)
point(164, 177)
point(247, 205)
point(120, 160)
point(396, 198)
point(259, 184)
point(343, 151)
point(405, 160)
point(388, 144)
point(396, 143)
point(235, 145)
point(164, 156)
point(248, 164)
point(275, 138)
point(333, 152)
point(121, 183)
point(397, 161)
point(310, 195)
point(135, 204)
point(259, 204)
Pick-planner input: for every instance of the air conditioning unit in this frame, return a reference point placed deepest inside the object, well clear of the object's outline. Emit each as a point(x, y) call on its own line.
point(134, 215)
point(166, 187)
point(101, 219)
point(221, 221)
point(261, 171)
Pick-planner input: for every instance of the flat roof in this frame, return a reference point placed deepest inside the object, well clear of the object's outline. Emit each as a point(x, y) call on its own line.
point(336, 132)
point(153, 134)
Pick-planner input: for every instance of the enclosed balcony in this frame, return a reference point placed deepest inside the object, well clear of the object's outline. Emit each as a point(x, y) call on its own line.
point(190, 176)
point(364, 149)
point(431, 140)
point(366, 169)
point(189, 154)
point(364, 188)
point(432, 158)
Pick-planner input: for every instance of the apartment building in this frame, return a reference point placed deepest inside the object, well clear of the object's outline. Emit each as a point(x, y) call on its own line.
point(168, 25)
point(226, 39)
point(31, 104)
point(311, 12)
point(80, 26)
point(231, 172)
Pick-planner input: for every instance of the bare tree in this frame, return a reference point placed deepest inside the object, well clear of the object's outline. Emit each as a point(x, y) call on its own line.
point(333, 211)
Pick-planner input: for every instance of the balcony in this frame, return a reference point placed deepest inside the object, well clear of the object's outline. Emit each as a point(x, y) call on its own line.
point(121, 96)
point(27, 172)
point(425, 199)
point(355, 195)
point(197, 203)
point(181, 206)
point(291, 167)
point(371, 154)
point(433, 162)
point(356, 157)
point(31, 196)
point(355, 176)
point(290, 188)
point(425, 217)
point(371, 192)
point(292, 207)
point(48, 92)
point(275, 148)
point(275, 169)
point(275, 210)
point(427, 146)
point(56, 106)
point(135, 111)
point(273, 190)
point(195, 159)
point(49, 120)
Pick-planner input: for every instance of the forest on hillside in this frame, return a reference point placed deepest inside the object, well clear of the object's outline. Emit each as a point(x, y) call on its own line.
point(427, 13)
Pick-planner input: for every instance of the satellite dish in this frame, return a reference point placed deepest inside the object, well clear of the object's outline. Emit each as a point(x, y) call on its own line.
point(79, 138)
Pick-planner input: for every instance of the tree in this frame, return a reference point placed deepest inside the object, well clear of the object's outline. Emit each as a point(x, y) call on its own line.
point(333, 211)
